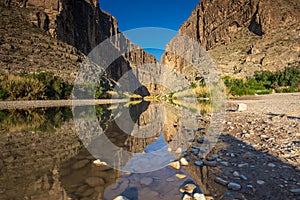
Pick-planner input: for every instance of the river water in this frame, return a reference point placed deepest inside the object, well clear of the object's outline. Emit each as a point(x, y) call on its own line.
point(50, 153)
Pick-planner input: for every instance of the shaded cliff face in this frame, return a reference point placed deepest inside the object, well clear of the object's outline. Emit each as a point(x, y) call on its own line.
point(244, 36)
point(81, 24)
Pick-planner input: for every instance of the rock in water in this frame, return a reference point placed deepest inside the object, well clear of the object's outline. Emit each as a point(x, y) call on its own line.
point(187, 197)
point(221, 181)
point(188, 188)
point(241, 107)
point(184, 162)
point(181, 176)
point(146, 181)
point(175, 165)
point(99, 163)
point(234, 186)
point(198, 196)
point(121, 198)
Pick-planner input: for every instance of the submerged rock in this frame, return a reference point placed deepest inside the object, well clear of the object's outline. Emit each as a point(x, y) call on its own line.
point(175, 165)
point(188, 188)
point(234, 186)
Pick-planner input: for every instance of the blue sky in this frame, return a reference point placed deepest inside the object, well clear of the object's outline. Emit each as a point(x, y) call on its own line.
point(132, 14)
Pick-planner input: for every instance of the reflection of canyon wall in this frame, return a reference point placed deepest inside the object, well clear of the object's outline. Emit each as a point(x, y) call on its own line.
point(30, 161)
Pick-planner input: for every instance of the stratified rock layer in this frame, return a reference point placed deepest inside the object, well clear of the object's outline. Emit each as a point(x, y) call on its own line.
point(244, 36)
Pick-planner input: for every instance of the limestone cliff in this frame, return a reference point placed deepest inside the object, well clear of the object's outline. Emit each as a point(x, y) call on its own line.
point(244, 36)
point(81, 24)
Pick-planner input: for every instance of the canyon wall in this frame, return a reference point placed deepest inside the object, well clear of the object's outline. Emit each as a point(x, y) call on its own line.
point(81, 24)
point(243, 36)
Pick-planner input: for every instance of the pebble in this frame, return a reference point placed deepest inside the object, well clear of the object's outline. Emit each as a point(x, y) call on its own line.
point(121, 198)
point(199, 163)
point(175, 165)
point(80, 164)
point(225, 163)
point(181, 176)
point(94, 181)
point(210, 163)
point(187, 197)
point(260, 182)
point(243, 165)
point(236, 174)
point(179, 150)
point(188, 188)
point(185, 153)
point(244, 177)
point(296, 191)
point(221, 181)
point(184, 162)
point(198, 196)
point(234, 186)
point(200, 155)
point(99, 163)
point(200, 140)
point(271, 165)
point(146, 181)
point(232, 155)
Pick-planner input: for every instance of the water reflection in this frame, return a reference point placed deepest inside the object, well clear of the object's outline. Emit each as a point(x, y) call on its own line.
point(56, 164)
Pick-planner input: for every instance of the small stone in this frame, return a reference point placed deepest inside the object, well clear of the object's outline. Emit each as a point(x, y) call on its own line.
point(215, 156)
point(199, 163)
point(236, 174)
point(121, 198)
point(181, 176)
point(225, 163)
point(99, 163)
point(271, 165)
point(185, 153)
point(184, 162)
point(234, 186)
point(94, 181)
point(221, 181)
point(260, 182)
point(198, 196)
point(244, 177)
point(80, 164)
point(146, 181)
point(200, 140)
point(179, 150)
point(296, 191)
point(169, 149)
point(232, 155)
point(200, 155)
point(175, 165)
point(188, 188)
point(241, 107)
point(187, 197)
point(210, 163)
point(243, 165)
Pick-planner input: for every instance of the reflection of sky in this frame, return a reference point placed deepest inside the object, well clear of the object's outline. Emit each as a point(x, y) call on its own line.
point(156, 157)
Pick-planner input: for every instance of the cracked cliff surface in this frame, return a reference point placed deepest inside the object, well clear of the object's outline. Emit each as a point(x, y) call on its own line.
point(244, 36)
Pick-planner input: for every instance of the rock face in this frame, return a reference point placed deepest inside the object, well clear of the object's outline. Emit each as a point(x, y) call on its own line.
point(244, 36)
point(81, 24)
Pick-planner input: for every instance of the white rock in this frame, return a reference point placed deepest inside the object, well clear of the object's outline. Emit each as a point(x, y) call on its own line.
point(175, 165)
point(271, 165)
point(179, 150)
point(260, 182)
point(187, 197)
point(99, 163)
point(184, 162)
point(121, 198)
point(236, 174)
point(198, 196)
point(234, 186)
point(146, 181)
point(241, 107)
